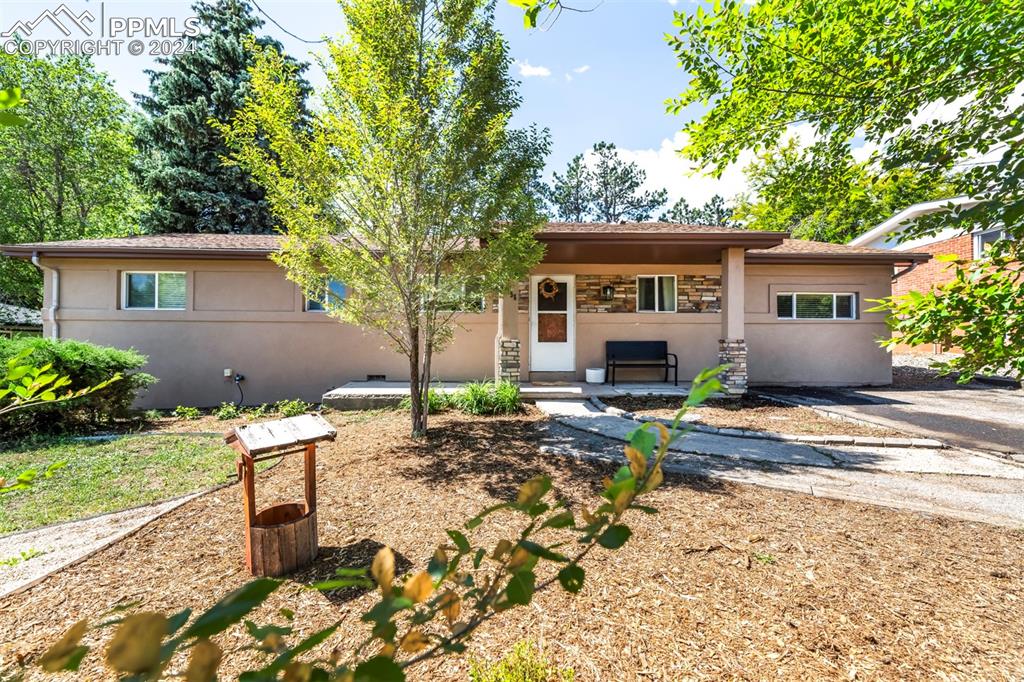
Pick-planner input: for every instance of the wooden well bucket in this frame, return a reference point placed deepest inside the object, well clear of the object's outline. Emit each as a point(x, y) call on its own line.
point(283, 537)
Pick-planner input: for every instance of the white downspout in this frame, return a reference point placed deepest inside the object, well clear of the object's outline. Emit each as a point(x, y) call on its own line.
point(54, 294)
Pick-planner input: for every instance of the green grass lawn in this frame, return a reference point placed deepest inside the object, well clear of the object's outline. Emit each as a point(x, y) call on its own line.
point(108, 476)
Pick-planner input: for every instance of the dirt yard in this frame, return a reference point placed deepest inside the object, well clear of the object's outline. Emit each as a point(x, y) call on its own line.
point(750, 412)
point(726, 582)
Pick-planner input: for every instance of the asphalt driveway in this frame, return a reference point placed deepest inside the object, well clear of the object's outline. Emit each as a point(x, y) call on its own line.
point(978, 416)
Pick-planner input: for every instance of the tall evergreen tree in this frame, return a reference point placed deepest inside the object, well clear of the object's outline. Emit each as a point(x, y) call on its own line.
point(571, 195)
point(617, 195)
point(713, 213)
point(181, 166)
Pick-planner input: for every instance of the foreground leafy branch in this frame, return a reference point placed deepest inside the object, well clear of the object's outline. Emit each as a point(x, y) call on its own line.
point(430, 613)
point(25, 385)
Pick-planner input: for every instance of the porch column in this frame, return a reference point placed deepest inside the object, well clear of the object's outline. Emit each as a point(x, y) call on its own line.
point(506, 342)
point(732, 346)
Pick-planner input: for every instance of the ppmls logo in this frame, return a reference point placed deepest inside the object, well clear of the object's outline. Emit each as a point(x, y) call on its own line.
point(111, 35)
point(79, 21)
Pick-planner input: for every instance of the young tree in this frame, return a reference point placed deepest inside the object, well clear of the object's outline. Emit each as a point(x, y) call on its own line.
point(409, 186)
point(885, 70)
point(571, 194)
point(66, 171)
point(616, 188)
point(182, 154)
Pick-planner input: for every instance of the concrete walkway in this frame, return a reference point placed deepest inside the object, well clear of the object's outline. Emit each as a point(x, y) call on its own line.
point(63, 544)
point(949, 482)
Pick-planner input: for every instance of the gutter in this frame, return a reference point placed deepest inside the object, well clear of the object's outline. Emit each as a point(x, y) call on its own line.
point(54, 295)
point(905, 271)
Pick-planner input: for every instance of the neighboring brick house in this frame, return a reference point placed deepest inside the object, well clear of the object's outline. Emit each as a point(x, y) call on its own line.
point(925, 275)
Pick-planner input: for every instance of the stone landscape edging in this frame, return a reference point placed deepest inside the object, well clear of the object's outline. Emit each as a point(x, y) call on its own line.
point(865, 441)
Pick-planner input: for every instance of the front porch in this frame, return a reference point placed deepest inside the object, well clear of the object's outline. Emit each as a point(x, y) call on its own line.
point(367, 395)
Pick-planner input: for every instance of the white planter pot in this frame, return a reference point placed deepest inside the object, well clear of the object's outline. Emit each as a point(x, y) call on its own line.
point(595, 375)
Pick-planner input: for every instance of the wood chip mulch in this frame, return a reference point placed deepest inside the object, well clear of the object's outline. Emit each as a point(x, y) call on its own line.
point(727, 582)
point(753, 413)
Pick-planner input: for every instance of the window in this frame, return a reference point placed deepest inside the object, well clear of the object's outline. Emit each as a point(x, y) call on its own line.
point(656, 294)
point(983, 241)
point(807, 306)
point(334, 294)
point(472, 300)
point(153, 291)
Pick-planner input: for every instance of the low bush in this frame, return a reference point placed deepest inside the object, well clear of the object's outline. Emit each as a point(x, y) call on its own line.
point(260, 411)
point(228, 411)
point(437, 401)
point(488, 397)
point(87, 365)
point(186, 412)
point(526, 663)
point(292, 408)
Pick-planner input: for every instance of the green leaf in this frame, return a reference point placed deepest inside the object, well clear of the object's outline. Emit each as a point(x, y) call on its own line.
point(8, 118)
point(520, 587)
point(542, 551)
point(379, 669)
point(175, 622)
point(460, 541)
point(643, 440)
point(561, 520)
point(341, 583)
point(386, 608)
point(614, 536)
point(571, 578)
point(233, 608)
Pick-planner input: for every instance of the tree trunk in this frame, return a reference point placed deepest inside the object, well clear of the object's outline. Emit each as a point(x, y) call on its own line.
point(428, 351)
point(419, 409)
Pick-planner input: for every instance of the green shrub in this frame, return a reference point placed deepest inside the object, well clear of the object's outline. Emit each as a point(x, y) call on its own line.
point(185, 412)
point(86, 364)
point(153, 415)
point(526, 663)
point(228, 411)
point(488, 397)
point(260, 411)
point(292, 408)
point(437, 401)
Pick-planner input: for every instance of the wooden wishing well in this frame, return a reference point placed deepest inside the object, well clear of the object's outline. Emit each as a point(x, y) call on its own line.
point(282, 537)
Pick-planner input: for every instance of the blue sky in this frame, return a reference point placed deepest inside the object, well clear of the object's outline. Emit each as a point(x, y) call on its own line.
point(602, 75)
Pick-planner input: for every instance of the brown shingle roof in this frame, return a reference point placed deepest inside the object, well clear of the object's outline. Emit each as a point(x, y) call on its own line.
point(258, 246)
point(804, 250)
point(641, 228)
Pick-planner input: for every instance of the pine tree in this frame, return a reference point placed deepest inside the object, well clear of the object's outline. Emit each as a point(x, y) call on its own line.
point(571, 195)
point(181, 166)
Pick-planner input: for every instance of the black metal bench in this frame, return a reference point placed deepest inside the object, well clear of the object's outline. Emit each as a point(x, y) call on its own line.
point(639, 354)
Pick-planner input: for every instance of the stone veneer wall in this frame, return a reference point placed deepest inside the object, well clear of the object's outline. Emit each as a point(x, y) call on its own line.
point(694, 294)
point(508, 360)
point(733, 352)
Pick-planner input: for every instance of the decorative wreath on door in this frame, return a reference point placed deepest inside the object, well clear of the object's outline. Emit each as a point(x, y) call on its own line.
point(548, 288)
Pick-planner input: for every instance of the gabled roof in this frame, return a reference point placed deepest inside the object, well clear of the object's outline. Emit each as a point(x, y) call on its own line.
point(761, 246)
point(900, 221)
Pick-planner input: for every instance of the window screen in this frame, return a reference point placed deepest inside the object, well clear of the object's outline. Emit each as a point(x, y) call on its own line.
point(807, 306)
point(656, 294)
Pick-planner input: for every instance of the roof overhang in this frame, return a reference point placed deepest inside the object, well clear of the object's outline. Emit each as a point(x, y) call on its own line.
point(15, 251)
point(655, 248)
point(889, 258)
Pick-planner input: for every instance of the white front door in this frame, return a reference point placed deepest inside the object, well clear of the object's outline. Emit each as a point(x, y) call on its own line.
point(553, 323)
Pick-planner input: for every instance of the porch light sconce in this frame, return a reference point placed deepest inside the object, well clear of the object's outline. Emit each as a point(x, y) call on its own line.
point(607, 292)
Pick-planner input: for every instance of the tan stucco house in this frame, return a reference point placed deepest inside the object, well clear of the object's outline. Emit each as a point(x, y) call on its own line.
point(204, 307)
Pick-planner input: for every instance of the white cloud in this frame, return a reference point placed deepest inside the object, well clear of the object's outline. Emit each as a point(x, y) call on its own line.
point(665, 168)
point(528, 70)
point(582, 69)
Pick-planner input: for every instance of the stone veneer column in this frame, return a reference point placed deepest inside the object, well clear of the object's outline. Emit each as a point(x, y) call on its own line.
point(732, 347)
point(506, 342)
